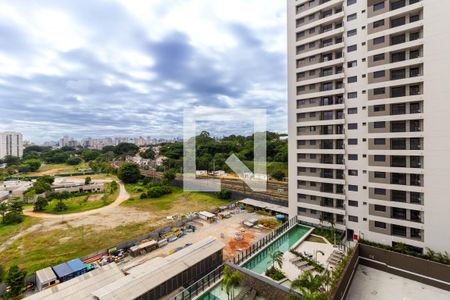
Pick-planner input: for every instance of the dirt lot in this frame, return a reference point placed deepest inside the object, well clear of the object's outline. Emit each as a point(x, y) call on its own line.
point(226, 228)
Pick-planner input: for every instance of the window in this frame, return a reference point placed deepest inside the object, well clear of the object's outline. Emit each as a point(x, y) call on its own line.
point(414, 36)
point(352, 48)
point(353, 188)
point(379, 91)
point(353, 126)
point(353, 203)
point(352, 64)
point(352, 172)
point(352, 32)
point(380, 225)
point(351, 17)
point(379, 174)
point(350, 2)
point(301, 210)
point(380, 107)
point(379, 141)
point(312, 44)
point(352, 111)
point(311, 17)
point(379, 74)
point(380, 124)
point(312, 30)
point(379, 208)
point(378, 23)
point(379, 158)
point(353, 141)
point(352, 95)
point(312, 114)
point(378, 191)
point(352, 79)
point(378, 40)
point(414, 54)
point(353, 157)
point(378, 6)
point(353, 219)
point(378, 57)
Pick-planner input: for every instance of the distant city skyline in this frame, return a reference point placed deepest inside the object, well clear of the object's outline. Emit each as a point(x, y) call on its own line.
point(131, 68)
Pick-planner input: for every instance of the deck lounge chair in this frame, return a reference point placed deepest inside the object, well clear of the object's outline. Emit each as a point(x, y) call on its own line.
point(301, 264)
point(308, 268)
point(295, 259)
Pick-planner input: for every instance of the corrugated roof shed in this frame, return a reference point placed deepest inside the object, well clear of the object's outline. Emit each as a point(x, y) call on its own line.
point(62, 270)
point(80, 287)
point(76, 265)
point(45, 275)
point(149, 275)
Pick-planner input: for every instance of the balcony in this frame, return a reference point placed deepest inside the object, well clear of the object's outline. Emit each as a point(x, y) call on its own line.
point(398, 4)
point(398, 213)
point(398, 230)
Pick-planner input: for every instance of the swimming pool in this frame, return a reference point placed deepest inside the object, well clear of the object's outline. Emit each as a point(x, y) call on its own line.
point(260, 261)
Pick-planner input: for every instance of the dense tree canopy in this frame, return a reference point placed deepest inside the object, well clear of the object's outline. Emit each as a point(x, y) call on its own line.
point(129, 172)
point(212, 153)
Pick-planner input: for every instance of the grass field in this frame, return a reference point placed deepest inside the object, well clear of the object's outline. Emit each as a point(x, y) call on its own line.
point(7, 231)
point(55, 169)
point(177, 197)
point(81, 203)
point(39, 250)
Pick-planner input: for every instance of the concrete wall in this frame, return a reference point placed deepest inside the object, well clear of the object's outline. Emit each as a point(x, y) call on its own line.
point(265, 287)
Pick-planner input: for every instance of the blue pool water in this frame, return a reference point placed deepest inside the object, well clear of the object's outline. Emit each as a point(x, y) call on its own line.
point(260, 262)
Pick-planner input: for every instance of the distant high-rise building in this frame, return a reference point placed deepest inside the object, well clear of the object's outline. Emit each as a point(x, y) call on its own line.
point(369, 109)
point(11, 143)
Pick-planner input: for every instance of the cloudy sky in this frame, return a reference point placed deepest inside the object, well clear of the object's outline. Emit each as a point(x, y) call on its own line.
point(130, 67)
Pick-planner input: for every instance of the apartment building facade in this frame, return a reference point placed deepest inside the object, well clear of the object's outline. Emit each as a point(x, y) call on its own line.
point(369, 104)
point(11, 143)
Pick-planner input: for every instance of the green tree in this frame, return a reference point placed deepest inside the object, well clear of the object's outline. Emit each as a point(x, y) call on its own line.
point(148, 153)
point(60, 206)
point(2, 274)
point(126, 149)
point(15, 280)
point(129, 172)
point(34, 164)
point(4, 208)
point(11, 160)
point(89, 154)
point(276, 258)
point(231, 280)
point(170, 175)
point(278, 175)
point(87, 180)
point(40, 204)
point(113, 186)
point(74, 160)
point(312, 287)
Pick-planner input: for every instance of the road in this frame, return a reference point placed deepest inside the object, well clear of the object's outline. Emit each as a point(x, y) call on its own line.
point(123, 196)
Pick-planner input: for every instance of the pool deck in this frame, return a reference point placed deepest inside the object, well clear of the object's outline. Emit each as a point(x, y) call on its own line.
point(291, 271)
point(372, 284)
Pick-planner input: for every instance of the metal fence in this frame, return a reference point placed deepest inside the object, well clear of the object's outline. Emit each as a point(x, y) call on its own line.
point(244, 255)
point(200, 286)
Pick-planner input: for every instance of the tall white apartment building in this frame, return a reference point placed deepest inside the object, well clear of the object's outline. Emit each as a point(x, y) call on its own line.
point(369, 118)
point(11, 143)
